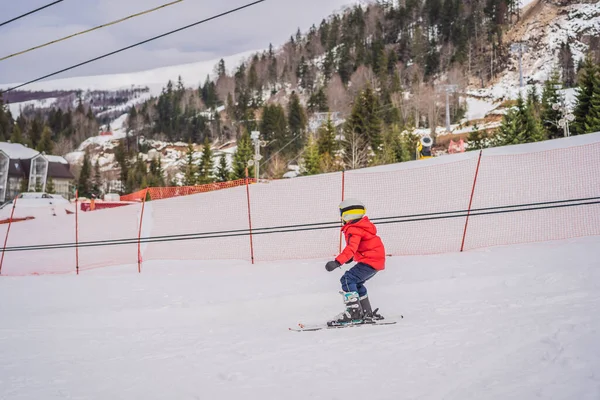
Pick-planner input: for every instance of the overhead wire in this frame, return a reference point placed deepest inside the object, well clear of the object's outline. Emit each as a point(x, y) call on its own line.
point(91, 30)
point(135, 45)
point(320, 225)
point(30, 12)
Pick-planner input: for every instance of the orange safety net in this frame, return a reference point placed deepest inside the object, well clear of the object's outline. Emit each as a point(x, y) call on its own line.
point(158, 193)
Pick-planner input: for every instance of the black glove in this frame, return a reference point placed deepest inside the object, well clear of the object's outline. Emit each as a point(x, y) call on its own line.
point(331, 265)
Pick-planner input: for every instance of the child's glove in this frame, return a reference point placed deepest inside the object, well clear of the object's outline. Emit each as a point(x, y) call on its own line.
point(331, 265)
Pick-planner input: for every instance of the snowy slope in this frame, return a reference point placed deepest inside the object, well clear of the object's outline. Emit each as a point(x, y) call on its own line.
point(192, 74)
point(517, 322)
point(543, 31)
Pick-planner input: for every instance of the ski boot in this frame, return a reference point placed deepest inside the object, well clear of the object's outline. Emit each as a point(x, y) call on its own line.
point(353, 313)
point(368, 314)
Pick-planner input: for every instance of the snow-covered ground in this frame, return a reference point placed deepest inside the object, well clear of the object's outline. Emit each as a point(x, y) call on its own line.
point(193, 74)
point(518, 322)
point(16, 108)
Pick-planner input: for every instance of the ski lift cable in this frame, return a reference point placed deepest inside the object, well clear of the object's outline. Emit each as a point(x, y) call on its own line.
point(135, 45)
point(30, 12)
point(90, 30)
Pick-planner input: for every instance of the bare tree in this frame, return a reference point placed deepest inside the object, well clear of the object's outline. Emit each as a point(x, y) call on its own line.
point(401, 101)
point(225, 85)
point(417, 78)
point(356, 149)
point(276, 167)
point(430, 105)
point(83, 127)
point(338, 98)
point(63, 146)
point(361, 78)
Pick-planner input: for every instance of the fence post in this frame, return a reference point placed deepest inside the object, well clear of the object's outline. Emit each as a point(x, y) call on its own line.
point(462, 246)
point(140, 232)
point(12, 213)
point(77, 231)
point(343, 189)
point(249, 218)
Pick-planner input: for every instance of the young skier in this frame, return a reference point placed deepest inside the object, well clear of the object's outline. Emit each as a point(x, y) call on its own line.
point(364, 247)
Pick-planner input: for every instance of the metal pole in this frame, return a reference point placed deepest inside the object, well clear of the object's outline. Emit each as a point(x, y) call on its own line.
point(447, 112)
point(256, 154)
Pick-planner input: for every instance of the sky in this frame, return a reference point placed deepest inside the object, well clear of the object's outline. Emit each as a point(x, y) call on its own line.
point(272, 21)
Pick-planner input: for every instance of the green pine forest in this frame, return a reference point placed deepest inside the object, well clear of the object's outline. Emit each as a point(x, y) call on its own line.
point(377, 67)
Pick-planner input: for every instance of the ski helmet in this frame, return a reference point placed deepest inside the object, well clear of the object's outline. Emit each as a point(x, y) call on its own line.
point(352, 209)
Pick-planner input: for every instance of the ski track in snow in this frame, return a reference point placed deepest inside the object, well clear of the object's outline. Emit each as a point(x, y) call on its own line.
point(515, 322)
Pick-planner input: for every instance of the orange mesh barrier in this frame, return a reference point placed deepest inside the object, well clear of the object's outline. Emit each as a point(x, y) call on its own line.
point(158, 193)
point(136, 196)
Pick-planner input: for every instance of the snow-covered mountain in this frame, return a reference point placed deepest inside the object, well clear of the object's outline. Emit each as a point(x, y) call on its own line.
point(155, 79)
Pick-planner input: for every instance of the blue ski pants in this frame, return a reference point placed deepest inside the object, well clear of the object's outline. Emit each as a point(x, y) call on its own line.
point(353, 280)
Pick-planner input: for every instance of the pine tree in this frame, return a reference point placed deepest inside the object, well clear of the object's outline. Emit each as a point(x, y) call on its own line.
point(97, 181)
point(297, 122)
point(24, 186)
point(46, 144)
point(549, 116)
point(592, 122)
point(311, 157)
point(476, 139)
point(17, 135)
point(221, 70)
point(326, 138)
point(35, 130)
point(50, 185)
point(533, 101)
point(241, 157)
point(122, 159)
point(189, 168)
point(567, 65)
point(318, 101)
point(222, 170)
point(273, 127)
point(156, 176)
point(205, 170)
point(6, 121)
point(366, 120)
point(83, 183)
point(520, 126)
point(588, 83)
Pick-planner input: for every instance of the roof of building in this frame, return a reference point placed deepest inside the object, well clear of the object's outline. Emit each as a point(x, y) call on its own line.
point(16, 151)
point(58, 170)
point(56, 159)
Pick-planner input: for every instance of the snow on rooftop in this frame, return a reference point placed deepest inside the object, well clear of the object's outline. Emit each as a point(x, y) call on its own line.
point(18, 151)
point(56, 159)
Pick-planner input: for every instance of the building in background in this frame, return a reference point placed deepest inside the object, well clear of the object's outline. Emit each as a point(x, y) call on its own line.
point(25, 168)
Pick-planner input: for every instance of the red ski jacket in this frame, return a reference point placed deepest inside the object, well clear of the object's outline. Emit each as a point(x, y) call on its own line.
point(363, 244)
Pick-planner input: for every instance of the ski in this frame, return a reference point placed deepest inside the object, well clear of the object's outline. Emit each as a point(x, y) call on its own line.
point(317, 327)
